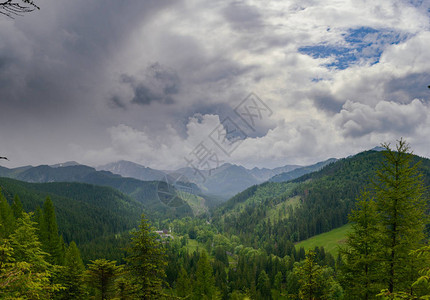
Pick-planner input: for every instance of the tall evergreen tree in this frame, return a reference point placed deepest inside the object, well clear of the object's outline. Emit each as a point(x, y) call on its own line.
point(17, 207)
point(204, 286)
point(361, 266)
point(401, 213)
point(26, 245)
point(71, 275)
point(183, 284)
point(27, 274)
point(49, 233)
point(263, 285)
point(7, 220)
point(310, 278)
point(101, 275)
point(146, 261)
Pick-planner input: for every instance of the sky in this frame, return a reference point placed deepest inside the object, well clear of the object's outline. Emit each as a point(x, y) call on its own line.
point(168, 84)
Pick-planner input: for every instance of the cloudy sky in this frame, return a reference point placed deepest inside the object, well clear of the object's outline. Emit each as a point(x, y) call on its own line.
point(163, 82)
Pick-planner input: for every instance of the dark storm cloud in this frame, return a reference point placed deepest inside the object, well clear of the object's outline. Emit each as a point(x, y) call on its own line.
point(326, 101)
point(53, 58)
point(242, 16)
point(159, 84)
point(412, 86)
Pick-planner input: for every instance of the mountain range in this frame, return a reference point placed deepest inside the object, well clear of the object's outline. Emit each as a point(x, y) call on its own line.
point(224, 181)
point(292, 205)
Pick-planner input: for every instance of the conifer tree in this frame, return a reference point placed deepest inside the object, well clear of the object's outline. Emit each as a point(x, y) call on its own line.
point(146, 262)
point(263, 285)
point(26, 244)
point(204, 286)
point(310, 278)
point(183, 284)
point(17, 207)
point(49, 233)
point(25, 273)
point(7, 220)
point(401, 206)
point(361, 266)
point(71, 275)
point(101, 275)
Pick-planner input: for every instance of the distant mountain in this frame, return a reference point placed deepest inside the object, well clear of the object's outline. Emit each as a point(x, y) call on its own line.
point(296, 173)
point(377, 148)
point(65, 164)
point(222, 182)
point(131, 169)
point(265, 174)
point(12, 173)
point(146, 192)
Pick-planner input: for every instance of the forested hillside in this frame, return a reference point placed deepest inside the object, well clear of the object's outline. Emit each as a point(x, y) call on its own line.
point(144, 192)
point(85, 212)
point(269, 214)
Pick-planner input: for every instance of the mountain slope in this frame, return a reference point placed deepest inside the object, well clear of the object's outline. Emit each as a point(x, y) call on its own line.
point(130, 169)
point(296, 173)
point(84, 212)
point(144, 192)
point(324, 200)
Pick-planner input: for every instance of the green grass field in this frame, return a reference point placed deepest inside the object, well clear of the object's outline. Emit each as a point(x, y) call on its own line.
point(329, 240)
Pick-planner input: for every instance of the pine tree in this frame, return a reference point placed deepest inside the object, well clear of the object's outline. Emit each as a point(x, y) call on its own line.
point(146, 262)
point(7, 220)
point(277, 285)
point(309, 274)
point(26, 245)
point(24, 272)
point(183, 284)
point(101, 275)
point(71, 275)
point(17, 207)
point(263, 285)
point(401, 213)
point(361, 266)
point(204, 286)
point(49, 233)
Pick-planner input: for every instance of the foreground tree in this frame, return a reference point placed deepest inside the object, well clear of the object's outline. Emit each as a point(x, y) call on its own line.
point(24, 272)
point(183, 284)
point(400, 207)
point(101, 275)
point(310, 278)
point(146, 262)
point(361, 266)
point(71, 275)
point(388, 224)
point(7, 220)
point(49, 233)
point(204, 286)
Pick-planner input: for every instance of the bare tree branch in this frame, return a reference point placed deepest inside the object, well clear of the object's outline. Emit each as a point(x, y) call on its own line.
point(12, 8)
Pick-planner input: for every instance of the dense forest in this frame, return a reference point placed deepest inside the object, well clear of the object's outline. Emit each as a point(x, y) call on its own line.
point(244, 249)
